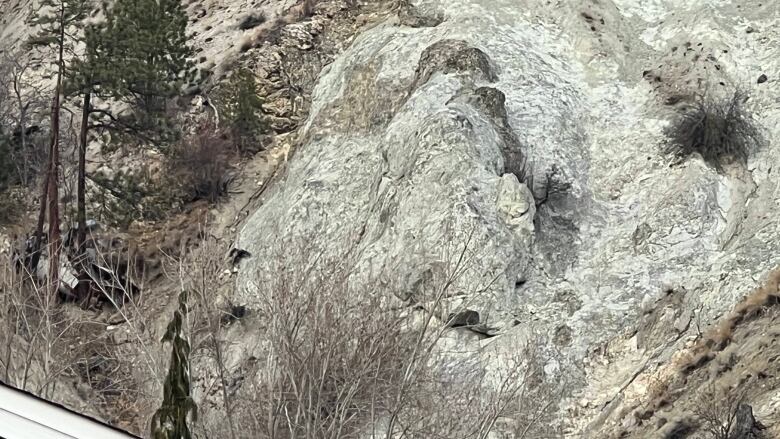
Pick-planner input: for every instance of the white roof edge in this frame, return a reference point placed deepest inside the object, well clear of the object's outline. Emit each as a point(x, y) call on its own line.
point(26, 416)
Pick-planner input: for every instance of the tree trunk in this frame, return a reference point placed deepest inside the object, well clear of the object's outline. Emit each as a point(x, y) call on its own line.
point(53, 197)
point(81, 203)
point(35, 253)
point(22, 126)
point(54, 154)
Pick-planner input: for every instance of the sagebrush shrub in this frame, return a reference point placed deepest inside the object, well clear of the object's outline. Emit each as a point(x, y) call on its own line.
point(720, 129)
point(200, 165)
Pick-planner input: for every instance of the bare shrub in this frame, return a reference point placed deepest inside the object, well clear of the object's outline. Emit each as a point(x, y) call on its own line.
point(332, 360)
point(22, 105)
point(335, 356)
point(201, 274)
point(718, 410)
point(200, 165)
point(46, 346)
point(35, 327)
point(22, 153)
point(466, 398)
point(36, 349)
point(720, 129)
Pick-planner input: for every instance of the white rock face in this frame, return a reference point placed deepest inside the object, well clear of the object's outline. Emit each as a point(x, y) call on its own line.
point(401, 177)
point(405, 152)
point(534, 132)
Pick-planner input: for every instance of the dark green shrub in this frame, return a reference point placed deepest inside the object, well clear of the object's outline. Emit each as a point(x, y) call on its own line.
point(9, 205)
point(7, 171)
point(241, 106)
point(719, 129)
point(178, 408)
point(128, 197)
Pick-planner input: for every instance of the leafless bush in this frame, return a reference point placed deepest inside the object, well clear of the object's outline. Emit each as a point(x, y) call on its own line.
point(200, 273)
point(717, 410)
point(44, 343)
point(721, 130)
point(335, 357)
point(34, 341)
point(21, 106)
point(121, 293)
point(200, 165)
point(346, 357)
point(108, 362)
point(468, 399)
point(340, 362)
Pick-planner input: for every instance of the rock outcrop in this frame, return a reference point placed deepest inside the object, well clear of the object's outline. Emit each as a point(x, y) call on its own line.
point(524, 143)
point(535, 134)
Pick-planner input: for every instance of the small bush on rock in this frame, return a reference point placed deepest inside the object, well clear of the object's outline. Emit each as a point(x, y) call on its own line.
point(721, 130)
point(251, 21)
point(200, 165)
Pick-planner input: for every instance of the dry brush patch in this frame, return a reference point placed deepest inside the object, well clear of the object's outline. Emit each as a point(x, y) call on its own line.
point(45, 345)
point(718, 408)
point(332, 360)
point(721, 130)
point(720, 336)
point(199, 166)
point(715, 407)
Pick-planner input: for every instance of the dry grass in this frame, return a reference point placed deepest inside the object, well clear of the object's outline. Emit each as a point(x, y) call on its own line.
point(720, 336)
point(712, 410)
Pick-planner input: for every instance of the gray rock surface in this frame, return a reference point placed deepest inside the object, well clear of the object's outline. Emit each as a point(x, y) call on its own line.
point(419, 131)
point(534, 133)
point(372, 147)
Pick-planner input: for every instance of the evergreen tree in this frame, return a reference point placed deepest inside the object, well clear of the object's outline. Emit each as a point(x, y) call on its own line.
point(139, 54)
point(170, 420)
point(83, 77)
point(90, 75)
point(150, 59)
point(242, 104)
point(54, 21)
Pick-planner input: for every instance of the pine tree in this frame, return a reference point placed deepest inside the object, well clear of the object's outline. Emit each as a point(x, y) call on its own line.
point(54, 21)
point(242, 104)
point(147, 43)
point(87, 76)
point(170, 420)
point(138, 55)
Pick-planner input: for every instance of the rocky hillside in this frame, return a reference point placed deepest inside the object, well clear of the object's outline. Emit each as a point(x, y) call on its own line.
point(536, 133)
point(522, 154)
